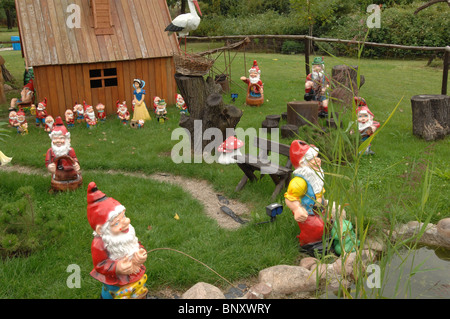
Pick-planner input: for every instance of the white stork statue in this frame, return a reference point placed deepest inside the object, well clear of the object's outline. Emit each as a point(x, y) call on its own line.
point(185, 23)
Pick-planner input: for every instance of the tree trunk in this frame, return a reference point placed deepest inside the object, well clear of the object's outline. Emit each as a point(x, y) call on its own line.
point(345, 84)
point(431, 116)
point(2, 82)
point(205, 103)
point(298, 110)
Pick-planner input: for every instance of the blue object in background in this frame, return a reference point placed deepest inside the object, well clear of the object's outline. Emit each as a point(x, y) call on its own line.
point(16, 46)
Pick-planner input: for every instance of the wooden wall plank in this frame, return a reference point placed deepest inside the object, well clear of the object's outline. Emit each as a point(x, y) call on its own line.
point(66, 86)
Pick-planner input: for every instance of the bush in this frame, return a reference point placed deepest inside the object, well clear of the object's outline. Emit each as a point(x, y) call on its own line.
point(24, 230)
point(292, 47)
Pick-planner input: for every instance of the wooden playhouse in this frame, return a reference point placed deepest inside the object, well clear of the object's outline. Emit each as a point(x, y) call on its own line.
point(96, 57)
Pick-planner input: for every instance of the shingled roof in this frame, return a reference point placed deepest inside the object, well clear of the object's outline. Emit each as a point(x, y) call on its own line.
point(136, 31)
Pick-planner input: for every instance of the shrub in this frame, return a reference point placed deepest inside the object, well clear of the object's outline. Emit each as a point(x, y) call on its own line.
point(292, 47)
point(23, 229)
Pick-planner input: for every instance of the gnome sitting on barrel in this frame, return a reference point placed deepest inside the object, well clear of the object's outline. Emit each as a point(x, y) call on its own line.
point(117, 255)
point(61, 160)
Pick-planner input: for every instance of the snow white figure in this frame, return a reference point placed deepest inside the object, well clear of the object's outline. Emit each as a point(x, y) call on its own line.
point(140, 109)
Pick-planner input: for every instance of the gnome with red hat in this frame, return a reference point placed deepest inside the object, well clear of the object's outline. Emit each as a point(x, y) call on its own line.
point(89, 115)
point(254, 78)
point(41, 113)
point(21, 123)
point(117, 255)
point(366, 125)
point(26, 97)
point(122, 112)
point(61, 148)
point(304, 195)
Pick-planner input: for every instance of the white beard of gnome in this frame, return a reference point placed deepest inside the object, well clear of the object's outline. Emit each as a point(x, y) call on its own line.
point(122, 245)
point(61, 150)
point(315, 178)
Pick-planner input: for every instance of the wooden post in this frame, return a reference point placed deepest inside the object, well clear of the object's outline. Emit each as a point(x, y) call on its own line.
point(445, 71)
point(307, 49)
point(307, 109)
point(431, 116)
point(2, 82)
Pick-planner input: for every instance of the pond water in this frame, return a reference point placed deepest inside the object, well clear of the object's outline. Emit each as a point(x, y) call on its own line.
point(420, 273)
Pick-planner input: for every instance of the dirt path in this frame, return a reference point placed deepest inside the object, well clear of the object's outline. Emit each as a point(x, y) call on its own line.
point(199, 189)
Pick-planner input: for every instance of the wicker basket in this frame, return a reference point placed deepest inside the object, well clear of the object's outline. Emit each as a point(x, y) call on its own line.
point(192, 64)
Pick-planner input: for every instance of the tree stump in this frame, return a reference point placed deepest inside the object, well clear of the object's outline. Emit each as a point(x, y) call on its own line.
point(431, 116)
point(205, 104)
point(297, 109)
point(344, 84)
point(289, 130)
point(271, 121)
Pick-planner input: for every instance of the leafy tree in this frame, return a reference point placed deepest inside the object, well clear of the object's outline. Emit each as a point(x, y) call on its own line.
point(9, 7)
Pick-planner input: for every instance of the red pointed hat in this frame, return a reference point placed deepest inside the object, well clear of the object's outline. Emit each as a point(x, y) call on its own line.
point(59, 128)
point(86, 105)
point(100, 208)
point(255, 67)
point(298, 150)
point(44, 102)
point(363, 109)
point(359, 101)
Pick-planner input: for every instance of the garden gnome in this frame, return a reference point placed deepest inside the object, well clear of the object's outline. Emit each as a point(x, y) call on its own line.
point(366, 125)
point(304, 196)
point(140, 108)
point(316, 86)
point(61, 147)
point(41, 113)
point(79, 112)
point(101, 112)
point(12, 118)
point(49, 121)
point(181, 104)
point(122, 112)
point(254, 78)
point(117, 255)
point(161, 111)
point(26, 97)
point(70, 120)
point(21, 124)
point(89, 115)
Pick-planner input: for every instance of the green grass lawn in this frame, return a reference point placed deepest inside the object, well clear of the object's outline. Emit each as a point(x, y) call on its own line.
point(389, 186)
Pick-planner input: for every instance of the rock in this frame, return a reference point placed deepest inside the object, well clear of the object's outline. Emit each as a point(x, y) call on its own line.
point(7, 87)
point(443, 228)
point(308, 262)
point(285, 279)
point(375, 244)
point(259, 291)
point(203, 290)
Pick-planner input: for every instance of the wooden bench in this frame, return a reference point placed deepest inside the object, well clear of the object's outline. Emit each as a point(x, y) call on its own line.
point(281, 175)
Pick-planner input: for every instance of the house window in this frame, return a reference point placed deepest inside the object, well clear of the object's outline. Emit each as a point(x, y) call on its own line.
point(103, 78)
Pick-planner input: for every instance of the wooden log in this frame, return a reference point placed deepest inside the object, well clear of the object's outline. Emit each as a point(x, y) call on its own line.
point(345, 84)
point(271, 121)
point(289, 130)
point(298, 109)
point(431, 116)
point(205, 104)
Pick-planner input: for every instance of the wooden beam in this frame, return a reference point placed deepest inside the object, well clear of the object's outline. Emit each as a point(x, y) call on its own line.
point(445, 71)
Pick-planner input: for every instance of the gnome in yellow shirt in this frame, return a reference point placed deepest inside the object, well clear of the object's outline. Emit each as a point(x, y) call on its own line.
point(304, 196)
